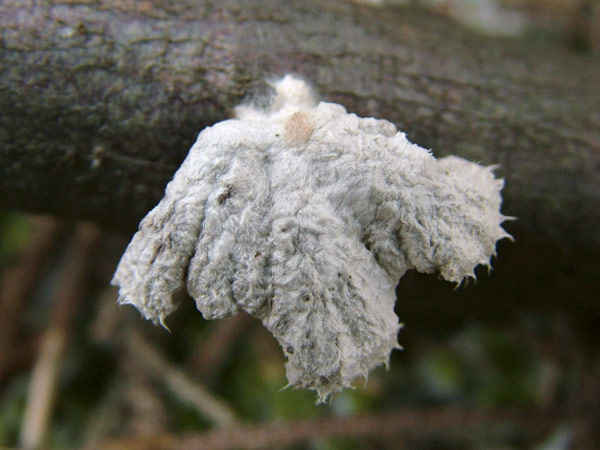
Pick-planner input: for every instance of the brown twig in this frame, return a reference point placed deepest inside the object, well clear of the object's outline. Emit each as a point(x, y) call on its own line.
point(140, 360)
point(400, 424)
point(67, 297)
point(586, 400)
point(178, 382)
point(131, 405)
point(208, 358)
point(18, 283)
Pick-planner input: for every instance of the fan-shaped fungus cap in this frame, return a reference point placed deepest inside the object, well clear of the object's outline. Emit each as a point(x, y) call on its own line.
point(306, 217)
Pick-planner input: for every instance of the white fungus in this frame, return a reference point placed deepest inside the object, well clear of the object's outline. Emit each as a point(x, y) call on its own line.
point(306, 217)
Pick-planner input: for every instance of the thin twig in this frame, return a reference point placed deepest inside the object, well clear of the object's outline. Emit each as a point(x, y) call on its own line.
point(109, 324)
point(106, 416)
point(67, 297)
point(586, 398)
point(41, 388)
point(185, 388)
point(400, 424)
point(18, 283)
point(131, 405)
point(210, 355)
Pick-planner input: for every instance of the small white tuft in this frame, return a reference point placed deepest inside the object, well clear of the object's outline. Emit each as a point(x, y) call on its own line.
point(292, 94)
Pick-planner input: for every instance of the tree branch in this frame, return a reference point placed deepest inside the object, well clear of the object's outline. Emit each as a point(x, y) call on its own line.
point(102, 99)
point(402, 426)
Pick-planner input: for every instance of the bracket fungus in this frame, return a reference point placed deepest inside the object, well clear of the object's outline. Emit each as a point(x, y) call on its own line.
point(306, 217)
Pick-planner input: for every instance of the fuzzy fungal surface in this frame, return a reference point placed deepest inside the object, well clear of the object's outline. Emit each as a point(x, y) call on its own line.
point(306, 217)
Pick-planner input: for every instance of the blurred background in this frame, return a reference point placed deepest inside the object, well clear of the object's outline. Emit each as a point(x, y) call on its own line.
point(575, 23)
point(78, 371)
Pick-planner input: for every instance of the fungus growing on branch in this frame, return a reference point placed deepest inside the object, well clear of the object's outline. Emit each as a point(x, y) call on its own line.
point(306, 217)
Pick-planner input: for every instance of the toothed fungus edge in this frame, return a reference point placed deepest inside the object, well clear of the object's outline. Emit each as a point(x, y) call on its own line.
point(306, 216)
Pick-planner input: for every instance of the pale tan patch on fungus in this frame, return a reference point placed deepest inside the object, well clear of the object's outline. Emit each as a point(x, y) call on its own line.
point(298, 128)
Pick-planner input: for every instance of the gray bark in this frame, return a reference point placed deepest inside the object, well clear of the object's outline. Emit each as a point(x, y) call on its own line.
point(100, 100)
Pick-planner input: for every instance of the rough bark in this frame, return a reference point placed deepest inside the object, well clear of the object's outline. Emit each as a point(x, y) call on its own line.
point(100, 100)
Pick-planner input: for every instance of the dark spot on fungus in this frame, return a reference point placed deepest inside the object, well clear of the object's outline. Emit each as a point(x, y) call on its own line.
point(224, 196)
